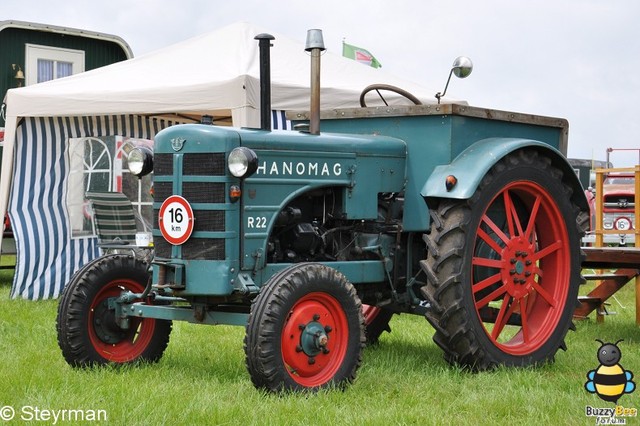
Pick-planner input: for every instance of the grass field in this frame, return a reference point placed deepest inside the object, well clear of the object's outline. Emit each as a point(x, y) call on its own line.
point(202, 379)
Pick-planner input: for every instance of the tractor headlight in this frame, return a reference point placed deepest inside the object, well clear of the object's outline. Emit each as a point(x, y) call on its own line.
point(242, 162)
point(140, 161)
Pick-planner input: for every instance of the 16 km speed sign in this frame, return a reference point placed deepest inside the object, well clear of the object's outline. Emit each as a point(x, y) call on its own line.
point(176, 220)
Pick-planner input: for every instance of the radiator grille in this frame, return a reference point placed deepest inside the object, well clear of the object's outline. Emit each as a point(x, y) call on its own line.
point(203, 192)
point(194, 164)
point(204, 164)
point(162, 247)
point(163, 164)
point(199, 164)
point(203, 249)
point(207, 220)
point(162, 190)
point(624, 201)
point(192, 249)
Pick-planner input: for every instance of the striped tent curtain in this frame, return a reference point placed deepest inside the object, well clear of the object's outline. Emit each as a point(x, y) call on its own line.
point(279, 121)
point(47, 255)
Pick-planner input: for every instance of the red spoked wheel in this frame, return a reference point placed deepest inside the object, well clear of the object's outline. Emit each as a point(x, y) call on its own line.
point(520, 273)
point(305, 330)
point(504, 266)
point(88, 333)
point(376, 322)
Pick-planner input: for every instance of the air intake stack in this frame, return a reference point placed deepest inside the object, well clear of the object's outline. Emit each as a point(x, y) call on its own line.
point(315, 45)
point(264, 43)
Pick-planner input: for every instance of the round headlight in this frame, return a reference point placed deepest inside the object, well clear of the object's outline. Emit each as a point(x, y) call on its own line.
point(242, 162)
point(140, 161)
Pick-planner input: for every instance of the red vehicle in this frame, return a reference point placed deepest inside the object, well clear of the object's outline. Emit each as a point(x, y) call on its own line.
point(618, 208)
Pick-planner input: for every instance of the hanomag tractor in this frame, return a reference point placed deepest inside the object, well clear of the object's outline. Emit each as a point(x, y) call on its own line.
point(313, 241)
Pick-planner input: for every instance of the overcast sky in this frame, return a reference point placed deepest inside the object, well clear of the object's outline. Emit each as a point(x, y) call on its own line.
point(573, 59)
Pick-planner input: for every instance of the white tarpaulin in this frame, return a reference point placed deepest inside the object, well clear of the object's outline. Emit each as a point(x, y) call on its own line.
point(213, 72)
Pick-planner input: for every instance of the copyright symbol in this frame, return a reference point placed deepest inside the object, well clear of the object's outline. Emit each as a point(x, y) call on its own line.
point(7, 413)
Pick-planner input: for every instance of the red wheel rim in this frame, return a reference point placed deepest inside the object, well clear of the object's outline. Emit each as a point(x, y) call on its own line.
point(521, 268)
point(111, 342)
point(314, 360)
point(370, 313)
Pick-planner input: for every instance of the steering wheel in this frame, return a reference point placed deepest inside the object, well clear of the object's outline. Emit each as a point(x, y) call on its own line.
point(390, 88)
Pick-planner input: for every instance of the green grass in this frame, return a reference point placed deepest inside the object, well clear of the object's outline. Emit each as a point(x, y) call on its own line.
point(403, 380)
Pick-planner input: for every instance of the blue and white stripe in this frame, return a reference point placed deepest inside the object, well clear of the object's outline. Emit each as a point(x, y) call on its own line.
point(279, 120)
point(47, 255)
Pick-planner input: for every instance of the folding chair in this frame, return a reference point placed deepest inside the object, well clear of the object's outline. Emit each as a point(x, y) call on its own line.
point(115, 224)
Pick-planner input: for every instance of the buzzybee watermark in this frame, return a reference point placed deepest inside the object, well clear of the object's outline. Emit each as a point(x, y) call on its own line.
point(31, 413)
point(610, 381)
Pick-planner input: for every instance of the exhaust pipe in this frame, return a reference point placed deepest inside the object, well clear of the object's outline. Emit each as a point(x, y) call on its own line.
point(315, 45)
point(264, 43)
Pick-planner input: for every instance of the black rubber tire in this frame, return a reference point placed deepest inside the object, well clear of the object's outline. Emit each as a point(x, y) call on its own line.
point(273, 324)
point(77, 335)
point(376, 322)
point(451, 245)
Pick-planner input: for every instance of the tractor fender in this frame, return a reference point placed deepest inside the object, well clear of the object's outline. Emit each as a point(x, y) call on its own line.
point(474, 162)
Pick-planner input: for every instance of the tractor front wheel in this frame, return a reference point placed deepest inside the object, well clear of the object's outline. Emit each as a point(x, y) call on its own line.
point(305, 331)
point(88, 333)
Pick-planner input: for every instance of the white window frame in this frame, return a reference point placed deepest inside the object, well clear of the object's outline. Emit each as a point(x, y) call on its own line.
point(33, 52)
point(79, 180)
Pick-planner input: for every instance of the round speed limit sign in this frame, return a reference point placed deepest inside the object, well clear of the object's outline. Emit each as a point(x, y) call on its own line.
point(176, 220)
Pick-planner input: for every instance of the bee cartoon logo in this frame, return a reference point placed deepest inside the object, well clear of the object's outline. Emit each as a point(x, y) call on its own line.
point(610, 380)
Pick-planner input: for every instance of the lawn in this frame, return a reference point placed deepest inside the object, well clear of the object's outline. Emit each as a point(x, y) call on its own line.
point(202, 379)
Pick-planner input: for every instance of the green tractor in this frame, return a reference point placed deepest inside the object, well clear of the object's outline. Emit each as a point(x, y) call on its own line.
point(313, 240)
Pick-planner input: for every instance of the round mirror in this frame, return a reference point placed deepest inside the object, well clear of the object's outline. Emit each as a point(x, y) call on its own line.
point(462, 67)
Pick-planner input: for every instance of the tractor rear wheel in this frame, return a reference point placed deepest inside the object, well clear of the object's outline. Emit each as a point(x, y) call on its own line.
point(503, 267)
point(305, 330)
point(87, 331)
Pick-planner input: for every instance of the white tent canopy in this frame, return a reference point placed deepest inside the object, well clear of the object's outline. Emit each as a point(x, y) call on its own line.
point(218, 71)
point(215, 74)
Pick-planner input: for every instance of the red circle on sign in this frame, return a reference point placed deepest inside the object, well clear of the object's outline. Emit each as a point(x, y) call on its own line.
point(176, 220)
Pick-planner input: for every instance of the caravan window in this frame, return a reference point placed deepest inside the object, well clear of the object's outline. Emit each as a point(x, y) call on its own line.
point(44, 63)
point(100, 165)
